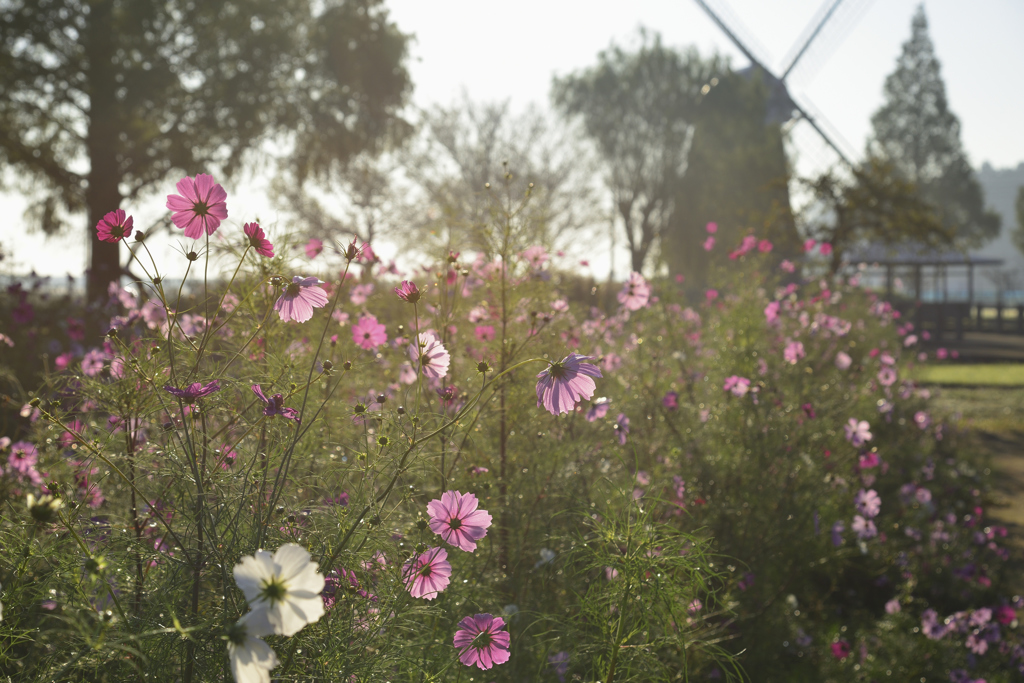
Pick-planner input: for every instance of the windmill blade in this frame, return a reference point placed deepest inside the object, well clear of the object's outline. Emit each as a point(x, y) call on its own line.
point(826, 130)
point(736, 32)
point(824, 33)
point(814, 34)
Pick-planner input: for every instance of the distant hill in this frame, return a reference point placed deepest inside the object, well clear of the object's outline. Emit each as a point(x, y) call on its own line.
point(1000, 187)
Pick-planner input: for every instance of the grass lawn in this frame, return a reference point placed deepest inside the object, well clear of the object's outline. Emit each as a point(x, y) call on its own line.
point(979, 374)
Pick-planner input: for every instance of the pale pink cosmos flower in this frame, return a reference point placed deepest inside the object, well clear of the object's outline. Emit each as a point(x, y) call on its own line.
point(314, 247)
point(300, 298)
point(887, 376)
point(457, 520)
point(787, 266)
point(843, 360)
point(114, 227)
point(709, 243)
point(481, 641)
point(868, 503)
point(793, 352)
point(536, 256)
point(809, 244)
point(92, 363)
point(360, 293)
point(23, 457)
point(564, 383)
point(635, 292)
point(484, 333)
point(771, 312)
point(431, 356)
point(922, 419)
point(258, 240)
point(864, 528)
point(368, 333)
point(857, 433)
point(739, 386)
point(711, 295)
point(199, 207)
point(429, 574)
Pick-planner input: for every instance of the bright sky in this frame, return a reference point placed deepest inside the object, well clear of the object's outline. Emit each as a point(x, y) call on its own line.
point(512, 49)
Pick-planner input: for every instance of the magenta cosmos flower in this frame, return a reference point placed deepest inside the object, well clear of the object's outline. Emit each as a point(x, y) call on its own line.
point(114, 227)
point(793, 352)
point(24, 457)
point(258, 240)
point(564, 383)
point(456, 519)
point(275, 405)
point(428, 574)
point(199, 205)
point(408, 291)
point(194, 390)
point(481, 641)
point(635, 292)
point(368, 333)
point(300, 298)
point(431, 355)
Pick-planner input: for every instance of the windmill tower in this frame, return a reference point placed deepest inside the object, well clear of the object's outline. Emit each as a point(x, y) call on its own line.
point(740, 179)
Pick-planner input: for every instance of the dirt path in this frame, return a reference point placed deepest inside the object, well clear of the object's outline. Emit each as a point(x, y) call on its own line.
point(996, 416)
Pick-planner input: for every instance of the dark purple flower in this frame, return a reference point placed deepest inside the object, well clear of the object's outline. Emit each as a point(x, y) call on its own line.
point(275, 405)
point(621, 428)
point(194, 390)
point(565, 383)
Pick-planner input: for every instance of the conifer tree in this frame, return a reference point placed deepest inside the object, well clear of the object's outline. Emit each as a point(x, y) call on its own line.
point(920, 137)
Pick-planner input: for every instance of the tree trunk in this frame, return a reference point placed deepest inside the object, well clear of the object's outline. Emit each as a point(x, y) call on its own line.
point(102, 194)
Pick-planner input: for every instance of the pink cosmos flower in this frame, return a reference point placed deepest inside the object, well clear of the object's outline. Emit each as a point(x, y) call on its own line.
point(427, 575)
point(840, 650)
point(825, 248)
point(864, 528)
point(843, 360)
point(764, 246)
point(408, 291)
point(484, 333)
point(114, 227)
point(771, 312)
point(793, 352)
point(709, 243)
point(457, 520)
point(635, 292)
point(194, 390)
point(23, 457)
point(670, 401)
point(787, 266)
point(739, 386)
point(481, 641)
point(368, 333)
point(258, 240)
point(857, 433)
point(598, 409)
point(431, 356)
point(922, 419)
point(565, 383)
point(92, 363)
point(711, 228)
point(314, 247)
point(535, 256)
point(199, 206)
point(711, 295)
point(809, 244)
point(887, 376)
point(300, 298)
point(275, 405)
point(868, 503)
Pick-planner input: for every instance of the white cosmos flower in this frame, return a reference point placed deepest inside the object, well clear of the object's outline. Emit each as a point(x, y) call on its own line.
point(284, 586)
point(251, 658)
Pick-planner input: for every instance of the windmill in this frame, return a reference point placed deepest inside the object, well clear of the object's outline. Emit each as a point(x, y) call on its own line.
point(781, 108)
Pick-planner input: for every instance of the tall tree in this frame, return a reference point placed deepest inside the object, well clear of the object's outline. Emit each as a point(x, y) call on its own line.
point(917, 133)
point(100, 99)
point(639, 108)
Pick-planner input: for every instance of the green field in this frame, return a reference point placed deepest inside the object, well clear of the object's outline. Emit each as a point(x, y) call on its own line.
point(979, 374)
